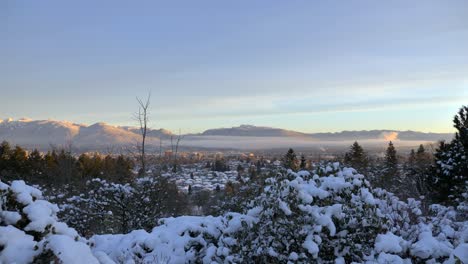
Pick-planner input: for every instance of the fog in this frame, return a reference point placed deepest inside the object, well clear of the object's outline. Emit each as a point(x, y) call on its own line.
point(259, 143)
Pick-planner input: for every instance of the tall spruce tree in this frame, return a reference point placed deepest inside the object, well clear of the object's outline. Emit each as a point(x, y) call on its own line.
point(451, 163)
point(416, 171)
point(303, 165)
point(356, 158)
point(390, 178)
point(290, 160)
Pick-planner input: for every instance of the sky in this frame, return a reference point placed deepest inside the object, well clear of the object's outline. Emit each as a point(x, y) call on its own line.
point(311, 66)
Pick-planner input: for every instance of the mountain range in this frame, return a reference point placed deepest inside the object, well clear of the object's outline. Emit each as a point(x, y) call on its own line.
point(44, 133)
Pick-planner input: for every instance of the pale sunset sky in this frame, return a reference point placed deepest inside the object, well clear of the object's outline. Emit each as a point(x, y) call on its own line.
point(311, 66)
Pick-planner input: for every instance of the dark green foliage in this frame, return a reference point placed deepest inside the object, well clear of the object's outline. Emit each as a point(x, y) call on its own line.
point(391, 161)
point(303, 165)
point(56, 168)
point(290, 160)
point(390, 176)
point(356, 158)
point(417, 171)
point(220, 165)
point(451, 163)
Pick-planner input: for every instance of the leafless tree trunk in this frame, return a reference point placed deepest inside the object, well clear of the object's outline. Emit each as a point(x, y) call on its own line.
point(160, 147)
point(175, 149)
point(142, 118)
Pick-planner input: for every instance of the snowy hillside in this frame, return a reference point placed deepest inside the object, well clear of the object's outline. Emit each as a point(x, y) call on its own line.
point(43, 133)
point(330, 216)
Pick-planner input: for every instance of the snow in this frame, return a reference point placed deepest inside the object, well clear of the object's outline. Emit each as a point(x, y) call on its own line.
point(293, 256)
point(70, 251)
point(18, 247)
point(385, 258)
point(179, 240)
point(389, 243)
point(42, 214)
point(327, 212)
point(284, 207)
point(367, 196)
point(25, 194)
point(428, 246)
point(461, 252)
point(9, 218)
point(310, 245)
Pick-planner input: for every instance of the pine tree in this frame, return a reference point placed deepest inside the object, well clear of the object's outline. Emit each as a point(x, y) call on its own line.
point(5, 153)
point(36, 163)
point(417, 171)
point(303, 163)
point(18, 163)
point(290, 160)
point(356, 158)
point(451, 166)
point(390, 176)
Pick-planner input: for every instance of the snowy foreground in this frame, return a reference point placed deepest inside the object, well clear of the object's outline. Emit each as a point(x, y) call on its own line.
point(299, 218)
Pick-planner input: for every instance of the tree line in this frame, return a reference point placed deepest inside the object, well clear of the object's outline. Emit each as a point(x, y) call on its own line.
point(59, 166)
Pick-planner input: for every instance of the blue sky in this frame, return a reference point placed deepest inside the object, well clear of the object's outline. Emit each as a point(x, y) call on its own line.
point(312, 66)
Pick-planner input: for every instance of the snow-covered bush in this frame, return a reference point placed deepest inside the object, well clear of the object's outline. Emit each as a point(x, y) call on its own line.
point(185, 239)
point(301, 217)
point(106, 207)
point(334, 215)
point(331, 215)
point(30, 232)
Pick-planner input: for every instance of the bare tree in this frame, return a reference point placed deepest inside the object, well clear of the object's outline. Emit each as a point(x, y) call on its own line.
point(142, 117)
point(175, 149)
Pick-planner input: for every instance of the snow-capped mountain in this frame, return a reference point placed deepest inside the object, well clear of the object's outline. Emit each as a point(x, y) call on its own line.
point(44, 133)
point(38, 132)
point(99, 136)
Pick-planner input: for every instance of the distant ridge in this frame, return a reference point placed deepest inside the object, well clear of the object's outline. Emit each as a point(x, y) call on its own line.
point(43, 133)
point(252, 131)
point(256, 131)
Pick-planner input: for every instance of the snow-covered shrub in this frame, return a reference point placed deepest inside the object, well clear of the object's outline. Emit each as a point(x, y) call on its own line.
point(334, 215)
point(301, 217)
point(331, 215)
point(185, 239)
point(30, 232)
point(106, 207)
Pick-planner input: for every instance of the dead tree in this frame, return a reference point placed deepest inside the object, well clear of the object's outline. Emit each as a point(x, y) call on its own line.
point(142, 118)
point(175, 149)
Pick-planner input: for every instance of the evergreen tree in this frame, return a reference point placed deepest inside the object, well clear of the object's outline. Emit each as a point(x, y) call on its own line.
point(259, 167)
point(290, 160)
point(303, 163)
point(451, 163)
point(36, 163)
point(356, 158)
point(123, 169)
point(220, 165)
point(19, 160)
point(240, 169)
point(417, 170)
point(390, 177)
point(391, 160)
point(5, 153)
